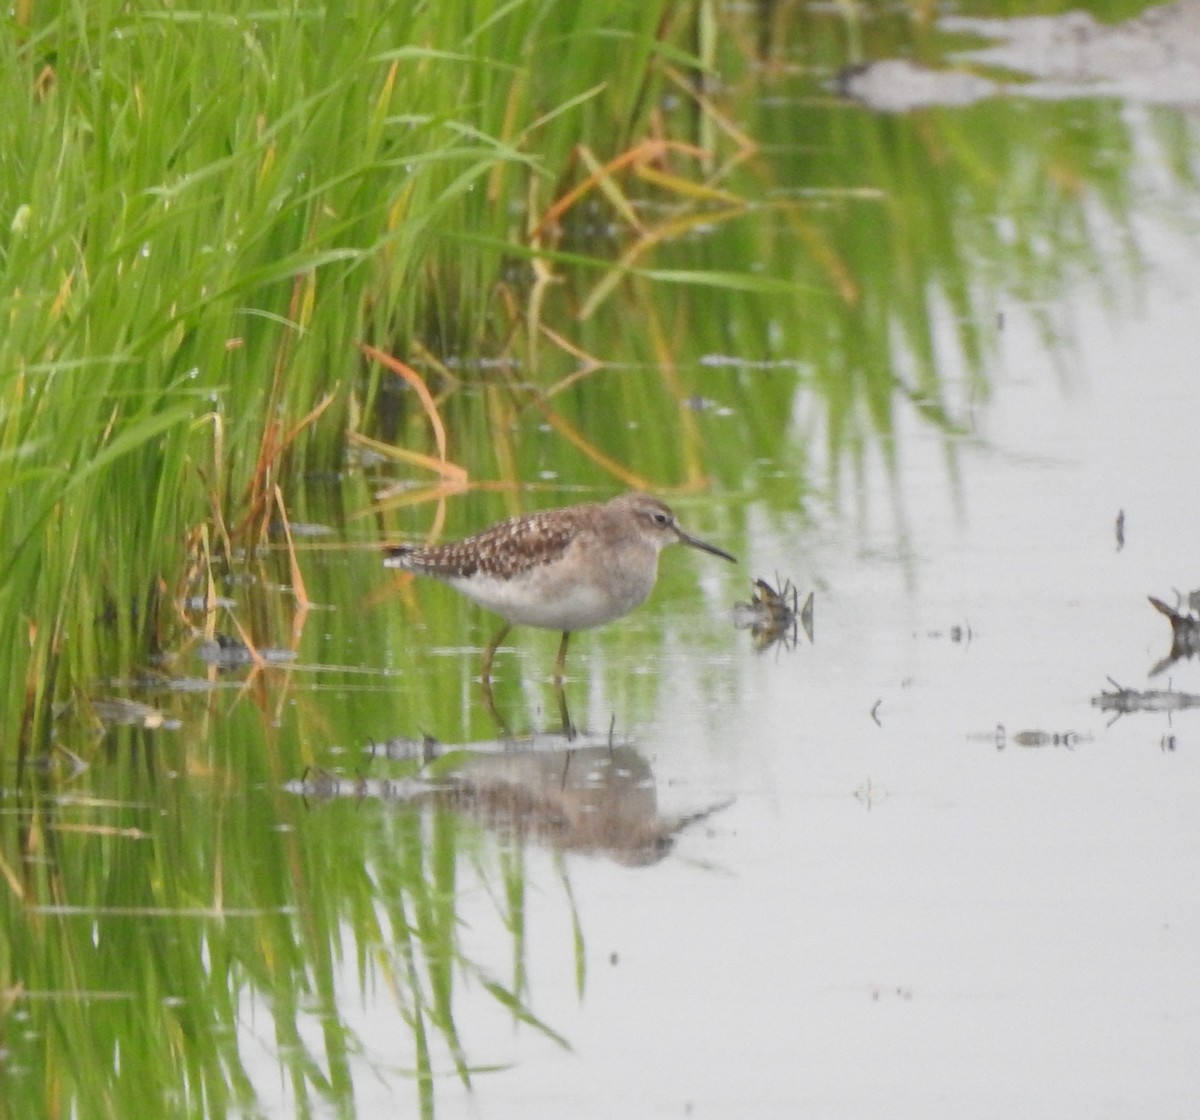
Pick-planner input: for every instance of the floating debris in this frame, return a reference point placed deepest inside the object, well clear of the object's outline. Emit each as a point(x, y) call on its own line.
point(1185, 634)
point(403, 749)
point(1120, 529)
point(158, 681)
point(326, 785)
point(1125, 700)
point(225, 651)
point(299, 529)
point(774, 616)
point(178, 684)
point(115, 712)
point(203, 604)
point(1048, 738)
point(231, 653)
point(1000, 738)
point(959, 633)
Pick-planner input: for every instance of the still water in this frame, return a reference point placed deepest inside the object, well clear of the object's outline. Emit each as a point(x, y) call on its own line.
point(903, 865)
point(903, 911)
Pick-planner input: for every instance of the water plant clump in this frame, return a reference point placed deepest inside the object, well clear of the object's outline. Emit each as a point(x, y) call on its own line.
point(189, 276)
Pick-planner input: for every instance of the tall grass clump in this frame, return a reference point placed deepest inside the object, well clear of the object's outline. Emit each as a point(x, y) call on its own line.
point(204, 212)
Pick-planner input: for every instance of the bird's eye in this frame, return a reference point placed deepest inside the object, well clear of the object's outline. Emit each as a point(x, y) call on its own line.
point(661, 518)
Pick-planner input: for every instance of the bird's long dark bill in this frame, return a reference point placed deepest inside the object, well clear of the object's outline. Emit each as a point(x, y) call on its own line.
point(704, 546)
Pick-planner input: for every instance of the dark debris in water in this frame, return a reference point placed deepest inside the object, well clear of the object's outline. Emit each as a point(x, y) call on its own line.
point(225, 652)
point(1036, 738)
point(114, 711)
point(400, 748)
point(178, 684)
point(1124, 700)
point(203, 604)
point(1185, 631)
point(960, 633)
point(774, 616)
point(231, 653)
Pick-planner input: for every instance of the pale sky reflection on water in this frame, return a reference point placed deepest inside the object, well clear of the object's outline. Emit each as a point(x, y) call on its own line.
point(998, 932)
point(896, 918)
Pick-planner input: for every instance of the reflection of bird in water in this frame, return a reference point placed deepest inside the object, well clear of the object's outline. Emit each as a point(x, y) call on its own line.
point(598, 799)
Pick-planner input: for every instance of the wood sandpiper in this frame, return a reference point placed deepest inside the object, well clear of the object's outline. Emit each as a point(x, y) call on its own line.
point(561, 569)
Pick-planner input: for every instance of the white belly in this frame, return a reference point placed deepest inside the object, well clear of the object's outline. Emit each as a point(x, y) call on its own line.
point(558, 597)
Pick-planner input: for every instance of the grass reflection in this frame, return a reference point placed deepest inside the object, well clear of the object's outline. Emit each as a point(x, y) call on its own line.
point(168, 924)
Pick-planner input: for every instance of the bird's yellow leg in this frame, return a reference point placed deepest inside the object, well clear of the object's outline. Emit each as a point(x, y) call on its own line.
point(490, 652)
point(561, 663)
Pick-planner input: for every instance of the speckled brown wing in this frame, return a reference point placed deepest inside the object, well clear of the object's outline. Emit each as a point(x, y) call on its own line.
point(504, 550)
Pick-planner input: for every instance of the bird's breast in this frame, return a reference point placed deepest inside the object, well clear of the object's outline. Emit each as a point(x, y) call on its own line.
point(580, 590)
